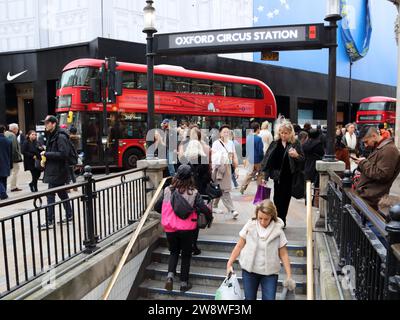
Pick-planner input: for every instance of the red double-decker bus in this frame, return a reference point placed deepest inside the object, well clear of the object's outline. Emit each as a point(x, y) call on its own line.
point(376, 110)
point(207, 99)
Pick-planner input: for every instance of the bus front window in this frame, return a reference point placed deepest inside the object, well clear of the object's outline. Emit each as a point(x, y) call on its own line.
point(78, 77)
point(373, 106)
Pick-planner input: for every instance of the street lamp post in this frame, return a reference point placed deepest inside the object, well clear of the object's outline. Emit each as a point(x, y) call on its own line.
point(397, 32)
point(333, 15)
point(149, 30)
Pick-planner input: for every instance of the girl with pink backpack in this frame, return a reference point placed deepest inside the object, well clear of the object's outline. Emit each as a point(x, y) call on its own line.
point(180, 205)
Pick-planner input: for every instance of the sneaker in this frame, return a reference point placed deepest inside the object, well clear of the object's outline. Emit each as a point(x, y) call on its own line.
point(235, 214)
point(66, 220)
point(242, 190)
point(16, 190)
point(196, 251)
point(169, 284)
point(186, 287)
point(45, 227)
point(4, 197)
point(217, 211)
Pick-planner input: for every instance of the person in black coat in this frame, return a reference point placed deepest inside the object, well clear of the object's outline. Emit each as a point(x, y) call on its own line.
point(31, 151)
point(6, 162)
point(313, 150)
point(283, 159)
point(56, 170)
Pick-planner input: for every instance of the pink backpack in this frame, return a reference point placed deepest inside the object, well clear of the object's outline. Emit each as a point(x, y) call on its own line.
point(170, 221)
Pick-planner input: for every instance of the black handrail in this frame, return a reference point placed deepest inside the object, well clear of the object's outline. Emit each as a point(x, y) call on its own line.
point(30, 244)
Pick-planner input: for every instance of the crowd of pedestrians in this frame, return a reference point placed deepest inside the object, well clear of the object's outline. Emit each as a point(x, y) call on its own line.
point(55, 158)
point(285, 154)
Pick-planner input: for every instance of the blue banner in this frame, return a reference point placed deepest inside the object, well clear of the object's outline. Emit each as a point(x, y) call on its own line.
point(352, 49)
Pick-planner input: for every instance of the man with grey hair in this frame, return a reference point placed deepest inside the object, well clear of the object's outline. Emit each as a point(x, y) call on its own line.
point(379, 170)
point(11, 134)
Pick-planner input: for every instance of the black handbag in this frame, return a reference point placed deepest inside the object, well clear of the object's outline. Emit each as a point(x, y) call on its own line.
point(37, 165)
point(213, 190)
point(179, 204)
point(298, 182)
point(202, 221)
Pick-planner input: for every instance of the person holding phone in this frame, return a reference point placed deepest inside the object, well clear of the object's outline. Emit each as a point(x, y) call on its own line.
point(283, 159)
point(379, 170)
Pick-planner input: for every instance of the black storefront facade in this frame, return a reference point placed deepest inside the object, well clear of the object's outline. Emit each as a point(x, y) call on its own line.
point(28, 98)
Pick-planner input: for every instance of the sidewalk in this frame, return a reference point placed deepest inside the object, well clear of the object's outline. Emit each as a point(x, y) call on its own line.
point(226, 228)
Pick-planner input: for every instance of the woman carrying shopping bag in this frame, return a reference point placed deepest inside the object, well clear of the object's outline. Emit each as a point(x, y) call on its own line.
point(262, 246)
point(180, 205)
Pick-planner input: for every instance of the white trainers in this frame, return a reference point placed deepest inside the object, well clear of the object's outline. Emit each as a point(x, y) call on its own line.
point(217, 211)
point(235, 214)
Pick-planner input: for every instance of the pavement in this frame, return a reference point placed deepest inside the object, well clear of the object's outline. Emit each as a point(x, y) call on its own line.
point(225, 227)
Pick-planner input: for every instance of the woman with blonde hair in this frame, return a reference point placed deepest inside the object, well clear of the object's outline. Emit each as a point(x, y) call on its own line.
point(283, 159)
point(266, 135)
point(262, 245)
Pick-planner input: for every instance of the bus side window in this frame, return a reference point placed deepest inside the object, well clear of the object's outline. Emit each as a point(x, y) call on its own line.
point(248, 91)
point(141, 81)
point(158, 83)
point(392, 106)
point(128, 80)
point(237, 90)
point(169, 84)
point(218, 89)
point(259, 93)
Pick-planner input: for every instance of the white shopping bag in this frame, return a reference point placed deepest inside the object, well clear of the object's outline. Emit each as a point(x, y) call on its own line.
point(229, 289)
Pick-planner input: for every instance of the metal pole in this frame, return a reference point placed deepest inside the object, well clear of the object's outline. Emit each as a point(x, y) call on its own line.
point(310, 257)
point(397, 30)
point(104, 100)
point(150, 89)
point(332, 102)
point(350, 84)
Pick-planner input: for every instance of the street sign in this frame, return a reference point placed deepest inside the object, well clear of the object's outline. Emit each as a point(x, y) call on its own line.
point(290, 37)
point(270, 55)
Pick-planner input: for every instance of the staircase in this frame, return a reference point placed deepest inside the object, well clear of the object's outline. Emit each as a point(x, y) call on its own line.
point(208, 270)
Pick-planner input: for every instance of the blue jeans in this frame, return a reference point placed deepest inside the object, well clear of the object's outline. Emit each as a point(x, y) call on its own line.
point(51, 198)
point(3, 188)
point(251, 281)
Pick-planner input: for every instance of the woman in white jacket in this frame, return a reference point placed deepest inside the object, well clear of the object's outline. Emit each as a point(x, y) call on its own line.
point(262, 246)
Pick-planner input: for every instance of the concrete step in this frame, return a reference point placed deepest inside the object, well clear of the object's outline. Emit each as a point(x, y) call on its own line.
point(154, 290)
point(296, 249)
point(213, 277)
point(215, 259)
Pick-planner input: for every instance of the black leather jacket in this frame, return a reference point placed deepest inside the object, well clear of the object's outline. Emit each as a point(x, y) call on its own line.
point(295, 164)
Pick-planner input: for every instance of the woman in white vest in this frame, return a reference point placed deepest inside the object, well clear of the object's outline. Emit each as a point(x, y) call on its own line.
point(351, 142)
point(262, 246)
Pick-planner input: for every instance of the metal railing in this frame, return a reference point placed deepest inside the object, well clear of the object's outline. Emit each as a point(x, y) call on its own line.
point(102, 208)
point(133, 239)
point(310, 246)
point(364, 241)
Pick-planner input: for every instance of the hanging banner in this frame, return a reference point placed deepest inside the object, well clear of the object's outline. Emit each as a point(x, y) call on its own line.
point(352, 49)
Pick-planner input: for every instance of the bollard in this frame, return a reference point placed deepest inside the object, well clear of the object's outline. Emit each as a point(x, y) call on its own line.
point(392, 281)
point(347, 180)
point(88, 196)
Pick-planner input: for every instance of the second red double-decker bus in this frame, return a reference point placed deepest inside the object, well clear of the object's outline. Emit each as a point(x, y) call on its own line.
point(376, 110)
point(207, 99)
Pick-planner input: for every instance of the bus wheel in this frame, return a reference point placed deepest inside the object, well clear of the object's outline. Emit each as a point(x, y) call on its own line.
point(131, 158)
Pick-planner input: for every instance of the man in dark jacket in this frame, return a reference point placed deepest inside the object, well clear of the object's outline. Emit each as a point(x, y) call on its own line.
point(56, 172)
point(6, 162)
point(379, 170)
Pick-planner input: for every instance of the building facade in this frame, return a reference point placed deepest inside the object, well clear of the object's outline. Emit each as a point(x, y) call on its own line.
point(39, 37)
